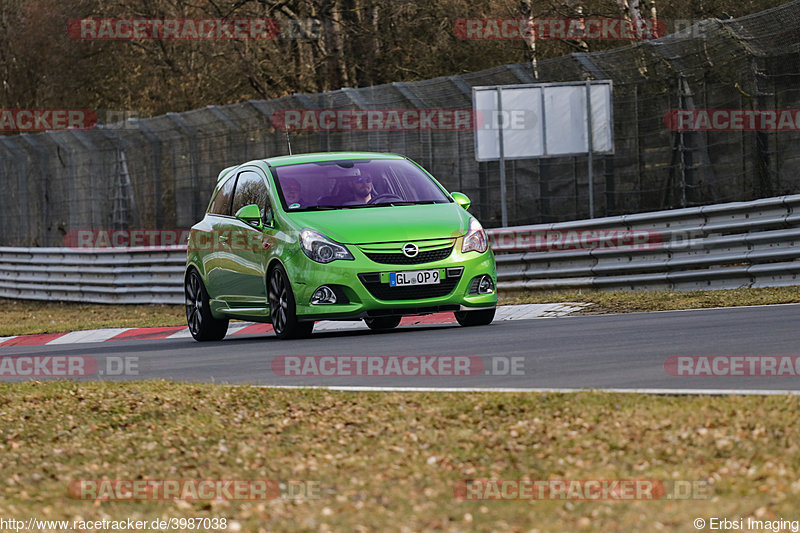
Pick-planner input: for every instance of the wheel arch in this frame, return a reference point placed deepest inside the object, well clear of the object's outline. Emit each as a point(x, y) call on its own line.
point(271, 266)
point(194, 265)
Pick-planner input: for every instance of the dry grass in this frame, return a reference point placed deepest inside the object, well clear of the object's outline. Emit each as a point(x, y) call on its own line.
point(20, 317)
point(632, 302)
point(390, 461)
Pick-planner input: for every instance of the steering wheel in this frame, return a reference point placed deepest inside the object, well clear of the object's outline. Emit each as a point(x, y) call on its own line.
point(383, 197)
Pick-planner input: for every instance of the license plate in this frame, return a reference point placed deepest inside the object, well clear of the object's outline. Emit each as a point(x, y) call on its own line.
point(416, 277)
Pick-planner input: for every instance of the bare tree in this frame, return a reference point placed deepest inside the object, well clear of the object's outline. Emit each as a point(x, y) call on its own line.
point(633, 10)
point(528, 10)
point(358, 43)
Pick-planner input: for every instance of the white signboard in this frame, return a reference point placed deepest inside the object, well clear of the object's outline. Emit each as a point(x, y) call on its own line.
point(542, 120)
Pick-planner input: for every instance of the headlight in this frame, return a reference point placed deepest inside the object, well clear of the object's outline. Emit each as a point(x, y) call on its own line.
point(475, 240)
point(321, 249)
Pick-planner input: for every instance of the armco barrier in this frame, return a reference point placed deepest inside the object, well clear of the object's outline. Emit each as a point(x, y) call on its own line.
point(742, 244)
point(98, 275)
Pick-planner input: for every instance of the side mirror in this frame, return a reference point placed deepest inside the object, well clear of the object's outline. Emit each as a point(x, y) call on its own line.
point(462, 199)
point(250, 214)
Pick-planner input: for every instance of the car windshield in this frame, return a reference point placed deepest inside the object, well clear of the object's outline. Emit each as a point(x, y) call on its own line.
point(347, 184)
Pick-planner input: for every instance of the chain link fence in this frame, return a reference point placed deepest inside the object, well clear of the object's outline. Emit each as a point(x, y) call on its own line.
point(158, 173)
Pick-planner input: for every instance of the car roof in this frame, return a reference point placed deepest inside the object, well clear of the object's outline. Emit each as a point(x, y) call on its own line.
point(316, 157)
point(326, 156)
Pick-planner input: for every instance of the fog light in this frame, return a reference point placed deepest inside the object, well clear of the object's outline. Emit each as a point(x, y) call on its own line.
point(324, 295)
point(485, 285)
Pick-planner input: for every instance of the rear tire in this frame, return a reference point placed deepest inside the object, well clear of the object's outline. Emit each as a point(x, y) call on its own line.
point(382, 323)
point(202, 324)
point(282, 308)
point(483, 317)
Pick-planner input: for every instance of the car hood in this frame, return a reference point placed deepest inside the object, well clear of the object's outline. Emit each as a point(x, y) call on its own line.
point(386, 224)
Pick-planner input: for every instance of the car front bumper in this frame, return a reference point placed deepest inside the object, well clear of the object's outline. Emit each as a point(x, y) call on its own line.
point(363, 284)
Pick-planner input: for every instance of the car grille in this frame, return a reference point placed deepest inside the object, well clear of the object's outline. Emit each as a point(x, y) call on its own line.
point(427, 256)
point(382, 291)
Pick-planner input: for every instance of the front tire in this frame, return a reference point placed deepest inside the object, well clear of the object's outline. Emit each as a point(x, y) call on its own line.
point(202, 324)
point(483, 317)
point(382, 323)
point(282, 308)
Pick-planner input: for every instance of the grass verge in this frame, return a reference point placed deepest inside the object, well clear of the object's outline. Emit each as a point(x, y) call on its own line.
point(390, 461)
point(642, 301)
point(20, 317)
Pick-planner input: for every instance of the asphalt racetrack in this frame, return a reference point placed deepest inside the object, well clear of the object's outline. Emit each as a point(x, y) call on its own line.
point(620, 352)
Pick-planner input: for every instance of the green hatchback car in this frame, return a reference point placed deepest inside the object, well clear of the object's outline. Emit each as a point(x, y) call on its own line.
point(335, 236)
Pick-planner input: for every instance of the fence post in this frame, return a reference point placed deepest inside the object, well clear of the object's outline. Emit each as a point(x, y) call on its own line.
point(155, 142)
point(194, 179)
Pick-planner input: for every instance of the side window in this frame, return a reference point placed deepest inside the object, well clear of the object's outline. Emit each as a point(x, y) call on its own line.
point(222, 201)
point(251, 189)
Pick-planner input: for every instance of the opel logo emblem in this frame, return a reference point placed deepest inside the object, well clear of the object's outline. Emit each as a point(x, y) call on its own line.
point(410, 250)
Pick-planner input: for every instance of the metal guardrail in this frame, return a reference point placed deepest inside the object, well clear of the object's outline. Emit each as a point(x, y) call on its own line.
point(741, 244)
point(98, 275)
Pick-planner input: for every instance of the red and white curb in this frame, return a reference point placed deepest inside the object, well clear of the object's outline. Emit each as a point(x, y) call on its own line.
point(505, 312)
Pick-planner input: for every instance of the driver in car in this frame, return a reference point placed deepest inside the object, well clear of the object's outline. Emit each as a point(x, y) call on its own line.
point(292, 192)
point(359, 189)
